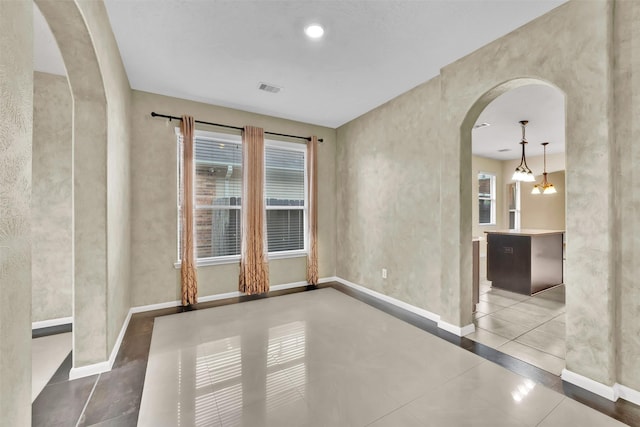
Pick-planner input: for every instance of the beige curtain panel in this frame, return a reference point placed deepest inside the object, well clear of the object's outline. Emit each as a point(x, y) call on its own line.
point(254, 267)
point(312, 179)
point(188, 269)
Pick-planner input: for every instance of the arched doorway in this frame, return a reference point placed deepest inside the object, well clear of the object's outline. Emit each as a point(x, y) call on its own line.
point(528, 324)
point(590, 225)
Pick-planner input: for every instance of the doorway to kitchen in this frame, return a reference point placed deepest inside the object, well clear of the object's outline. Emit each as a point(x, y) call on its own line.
point(528, 324)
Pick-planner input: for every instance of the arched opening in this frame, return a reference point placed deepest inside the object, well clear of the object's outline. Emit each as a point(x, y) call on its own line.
point(51, 209)
point(520, 297)
point(88, 171)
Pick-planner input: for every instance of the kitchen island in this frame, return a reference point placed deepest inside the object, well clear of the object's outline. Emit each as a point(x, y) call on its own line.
point(524, 261)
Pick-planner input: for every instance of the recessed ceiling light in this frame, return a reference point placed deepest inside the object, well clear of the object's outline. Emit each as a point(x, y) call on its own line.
point(314, 31)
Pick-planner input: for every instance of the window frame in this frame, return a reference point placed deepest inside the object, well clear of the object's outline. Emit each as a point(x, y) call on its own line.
point(491, 198)
point(237, 139)
point(516, 209)
point(293, 146)
point(225, 138)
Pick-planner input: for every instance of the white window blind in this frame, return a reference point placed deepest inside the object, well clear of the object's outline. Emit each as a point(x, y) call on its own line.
point(218, 191)
point(285, 193)
point(218, 196)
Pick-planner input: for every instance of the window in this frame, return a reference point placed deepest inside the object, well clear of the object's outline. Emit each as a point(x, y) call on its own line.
point(218, 192)
point(486, 199)
point(514, 205)
point(218, 197)
point(286, 194)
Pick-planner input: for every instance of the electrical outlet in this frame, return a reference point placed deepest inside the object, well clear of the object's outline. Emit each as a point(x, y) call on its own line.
point(384, 273)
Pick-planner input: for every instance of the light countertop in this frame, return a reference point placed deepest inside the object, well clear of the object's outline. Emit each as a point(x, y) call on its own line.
point(525, 232)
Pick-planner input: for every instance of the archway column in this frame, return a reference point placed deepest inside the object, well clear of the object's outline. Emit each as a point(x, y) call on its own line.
point(455, 223)
point(90, 233)
point(467, 87)
point(16, 120)
point(90, 266)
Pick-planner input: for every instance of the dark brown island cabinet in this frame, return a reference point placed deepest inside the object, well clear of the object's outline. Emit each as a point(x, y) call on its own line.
point(524, 261)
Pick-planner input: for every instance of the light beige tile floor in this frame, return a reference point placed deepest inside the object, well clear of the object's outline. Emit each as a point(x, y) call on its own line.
point(531, 329)
point(47, 354)
point(322, 358)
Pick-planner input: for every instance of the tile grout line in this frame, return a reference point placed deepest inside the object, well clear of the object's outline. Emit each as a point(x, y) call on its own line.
point(427, 392)
point(88, 400)
point(518, 336)
point(536, 349)
point(540, 350)
point(551, 411)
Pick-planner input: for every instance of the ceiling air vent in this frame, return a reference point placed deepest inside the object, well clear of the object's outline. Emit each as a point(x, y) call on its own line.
point(269, 88)
point(481, 125)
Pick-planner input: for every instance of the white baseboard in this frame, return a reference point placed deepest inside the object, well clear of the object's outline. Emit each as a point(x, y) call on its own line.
point(608, 392)
point(628, 393)
point(412, 308)
point(51, 322)
point(456, 330)
point(151, 307)
point(236, 294)
point(88, 370)
point(118, 343)
point(288, 286)
point(100, 367)
point(216, 297)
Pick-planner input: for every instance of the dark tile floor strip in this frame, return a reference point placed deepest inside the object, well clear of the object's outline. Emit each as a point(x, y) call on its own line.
point(118, 393)
point(60, 403)
point(51, 330)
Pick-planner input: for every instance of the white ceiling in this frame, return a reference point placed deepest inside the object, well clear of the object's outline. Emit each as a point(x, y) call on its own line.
point(46, 55)
point(218, 52)
point(542, 105)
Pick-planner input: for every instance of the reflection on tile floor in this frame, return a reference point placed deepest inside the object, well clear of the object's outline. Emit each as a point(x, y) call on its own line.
point(531, 329)
point(325, 359)
point(47, 354)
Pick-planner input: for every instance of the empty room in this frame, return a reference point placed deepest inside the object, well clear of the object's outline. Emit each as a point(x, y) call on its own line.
point(319, 213)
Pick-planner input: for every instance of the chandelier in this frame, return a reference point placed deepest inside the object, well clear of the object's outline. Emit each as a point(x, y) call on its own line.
point(523, 173)
point(545, 187)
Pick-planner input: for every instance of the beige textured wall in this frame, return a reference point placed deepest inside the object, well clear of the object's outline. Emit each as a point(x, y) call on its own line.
point(51, 206)
point(118, 195)
point(627, 179)
point(543, 211)
point(493, 166)
point(573, 40)
point(388, 198)
point(154, 220)
point(16, 111)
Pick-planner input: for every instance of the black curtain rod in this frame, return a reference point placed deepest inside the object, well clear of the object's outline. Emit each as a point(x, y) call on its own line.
point(306, 138)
